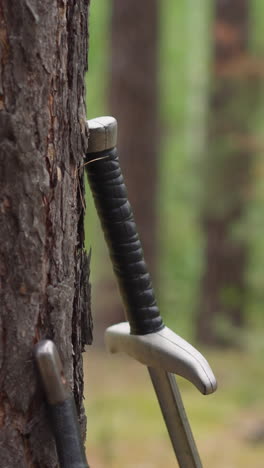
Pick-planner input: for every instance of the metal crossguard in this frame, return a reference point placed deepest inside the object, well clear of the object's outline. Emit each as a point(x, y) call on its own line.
point(164, 350)
point(144, 337)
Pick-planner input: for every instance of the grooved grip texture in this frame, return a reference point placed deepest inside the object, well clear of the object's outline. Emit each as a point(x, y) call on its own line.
point(66, 431)
point(110, 195)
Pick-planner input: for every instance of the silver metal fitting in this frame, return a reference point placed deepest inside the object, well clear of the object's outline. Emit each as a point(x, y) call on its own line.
point(51, 372)
point(164, 350)
point(102, 134)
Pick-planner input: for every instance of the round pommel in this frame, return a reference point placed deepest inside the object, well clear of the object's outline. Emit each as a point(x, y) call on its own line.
point(102, 134)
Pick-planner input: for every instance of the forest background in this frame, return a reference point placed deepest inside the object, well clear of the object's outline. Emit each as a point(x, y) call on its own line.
point(124, 424)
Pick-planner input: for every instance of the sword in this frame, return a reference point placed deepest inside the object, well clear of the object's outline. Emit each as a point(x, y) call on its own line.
point(62, 409)
point(144, 336)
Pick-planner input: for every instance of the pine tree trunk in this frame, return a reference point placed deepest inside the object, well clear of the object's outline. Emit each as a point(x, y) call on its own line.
point(43, 139)
point(227, 175)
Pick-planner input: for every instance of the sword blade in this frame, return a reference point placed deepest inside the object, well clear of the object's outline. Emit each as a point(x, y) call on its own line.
point(175, 417)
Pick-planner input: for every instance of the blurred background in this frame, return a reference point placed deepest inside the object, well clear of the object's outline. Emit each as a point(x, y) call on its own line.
point(185, 81)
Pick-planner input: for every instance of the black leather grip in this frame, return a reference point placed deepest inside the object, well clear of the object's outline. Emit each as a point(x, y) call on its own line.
point(67, 435)
point(110, 195)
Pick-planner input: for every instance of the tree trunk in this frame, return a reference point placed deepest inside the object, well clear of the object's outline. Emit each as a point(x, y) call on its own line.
point(133, 96)
point(227, 175)
point(134, 102)
point(43, 139)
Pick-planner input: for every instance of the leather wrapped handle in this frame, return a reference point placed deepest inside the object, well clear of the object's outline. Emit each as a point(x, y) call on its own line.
point(120, 231)
point(67, 435)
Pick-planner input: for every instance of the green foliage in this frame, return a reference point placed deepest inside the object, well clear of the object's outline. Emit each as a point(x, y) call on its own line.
point(123, 418)
point(180, 259)
point(96, 82)
point(184, 59)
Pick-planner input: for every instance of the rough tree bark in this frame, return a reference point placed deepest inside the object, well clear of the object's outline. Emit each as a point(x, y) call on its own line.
point(133, 100)
point(227, 173)
point(44, 269)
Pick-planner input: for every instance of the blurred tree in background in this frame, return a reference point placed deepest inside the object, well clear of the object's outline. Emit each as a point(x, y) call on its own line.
point(133, 101)
point(232, 416)
point(183, 42)
point(227, 174)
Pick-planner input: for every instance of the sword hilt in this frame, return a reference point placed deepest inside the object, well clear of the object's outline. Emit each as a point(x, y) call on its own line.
point(110, 195)
point(145, 337)
point(62, 409)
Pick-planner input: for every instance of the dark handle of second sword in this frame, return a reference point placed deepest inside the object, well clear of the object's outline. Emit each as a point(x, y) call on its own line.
point(61, 406)
point(110, 195)
point(67, 434)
